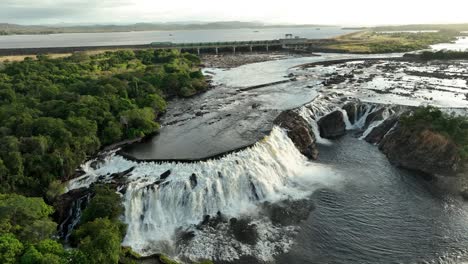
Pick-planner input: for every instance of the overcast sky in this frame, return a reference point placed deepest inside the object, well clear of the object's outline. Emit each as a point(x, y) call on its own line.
point(342, 12)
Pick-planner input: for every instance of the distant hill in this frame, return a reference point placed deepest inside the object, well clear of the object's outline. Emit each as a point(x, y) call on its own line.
point(13, 29)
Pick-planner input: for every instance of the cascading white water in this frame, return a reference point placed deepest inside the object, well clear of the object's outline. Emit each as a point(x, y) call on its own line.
point(385, 114)
point(235, 185)
point(307, 114)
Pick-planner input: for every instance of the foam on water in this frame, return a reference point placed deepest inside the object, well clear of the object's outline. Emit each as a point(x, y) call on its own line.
point(156, 209)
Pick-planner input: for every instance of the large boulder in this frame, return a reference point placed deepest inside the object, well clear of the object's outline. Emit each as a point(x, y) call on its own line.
point(289, 212)
point(244, 231)
point(299, 131)
point(422, 150)
point(351, 109)
point(332, 125)
point(379, 132)
point(377, 115)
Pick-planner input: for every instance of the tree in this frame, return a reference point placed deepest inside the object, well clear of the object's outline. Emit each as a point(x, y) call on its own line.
point(111, 133)
point(27, 218)
point(46, 251)
point(55, 112)
point(100, 241)
point(154, 101)
point(10, 248)
point(105, 204)
point(139, 122)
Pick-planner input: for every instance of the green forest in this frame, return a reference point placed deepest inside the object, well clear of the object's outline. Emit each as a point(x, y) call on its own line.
point(56, 113)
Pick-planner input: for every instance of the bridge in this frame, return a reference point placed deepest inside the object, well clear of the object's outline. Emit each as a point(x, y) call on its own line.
point(289, 42)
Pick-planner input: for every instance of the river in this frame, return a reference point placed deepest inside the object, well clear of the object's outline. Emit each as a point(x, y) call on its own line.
point(354, 205)
point(146, 37)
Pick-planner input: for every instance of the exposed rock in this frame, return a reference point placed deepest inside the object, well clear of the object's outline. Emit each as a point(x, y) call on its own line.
point(63, 203)
point(299, 131)
point(379, 132)
point(193, 180)
point(464, 194)
point(375, 116)
point(289, 212)
point(351, 110)
point(119, 177)
point(213, 221)
point(165, 175)
point(422, 150)
point(64, 207)
point(244, 231)
point(332, 125)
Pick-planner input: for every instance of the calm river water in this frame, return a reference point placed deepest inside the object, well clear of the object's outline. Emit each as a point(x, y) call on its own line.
point(146, 37)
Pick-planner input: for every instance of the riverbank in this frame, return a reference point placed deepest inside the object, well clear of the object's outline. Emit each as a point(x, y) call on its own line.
point(372, 42)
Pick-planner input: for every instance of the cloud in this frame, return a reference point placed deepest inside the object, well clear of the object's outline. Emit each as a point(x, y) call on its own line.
point(291, 11)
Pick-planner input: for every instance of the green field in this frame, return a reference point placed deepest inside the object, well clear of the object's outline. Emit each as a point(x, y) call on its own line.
point(370, 41)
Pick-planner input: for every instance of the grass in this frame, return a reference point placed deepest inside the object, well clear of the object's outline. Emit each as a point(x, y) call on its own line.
point(369, 41)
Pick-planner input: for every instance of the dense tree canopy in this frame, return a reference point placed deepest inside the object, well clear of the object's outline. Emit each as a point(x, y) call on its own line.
point(56, 112)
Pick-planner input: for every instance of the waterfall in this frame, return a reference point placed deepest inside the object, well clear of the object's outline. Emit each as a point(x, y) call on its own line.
point(307, 114)
point(74, 215)
point(162, 200)
point(385, 115)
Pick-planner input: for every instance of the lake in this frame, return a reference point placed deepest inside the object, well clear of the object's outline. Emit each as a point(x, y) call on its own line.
point(146, 37)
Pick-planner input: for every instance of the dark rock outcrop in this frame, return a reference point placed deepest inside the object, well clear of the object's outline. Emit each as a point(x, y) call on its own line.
point(332, 125)
point(65, 211)
point(379, 132)
point(244, 231)
point(299, 131)
point(193, 180)
point(165, 175)
point(422, 150)
point(288, 212)
point(464, 194)
point(376, 115)
point(352, 111)
point(355, 110)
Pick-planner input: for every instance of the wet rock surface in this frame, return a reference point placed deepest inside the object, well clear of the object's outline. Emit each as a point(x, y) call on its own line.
point(421, 150)
point(379, 132)
point(244, 231)
point(299, 132)
point(332, 125)
point(289, 212)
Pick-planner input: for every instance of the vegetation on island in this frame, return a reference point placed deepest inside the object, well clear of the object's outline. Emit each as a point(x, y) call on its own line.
point(444, 55)
point(371, 41)
point(55, 113)
point(451, 126)
point(422, 27)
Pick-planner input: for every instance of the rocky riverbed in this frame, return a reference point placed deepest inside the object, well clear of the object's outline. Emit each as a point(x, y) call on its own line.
point(226, 61)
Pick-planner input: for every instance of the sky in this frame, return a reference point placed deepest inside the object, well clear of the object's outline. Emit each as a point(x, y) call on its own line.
point(332, 12)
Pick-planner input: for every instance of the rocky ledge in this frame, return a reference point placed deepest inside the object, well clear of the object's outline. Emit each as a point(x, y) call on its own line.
point(422, 150)
point(299, 131)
